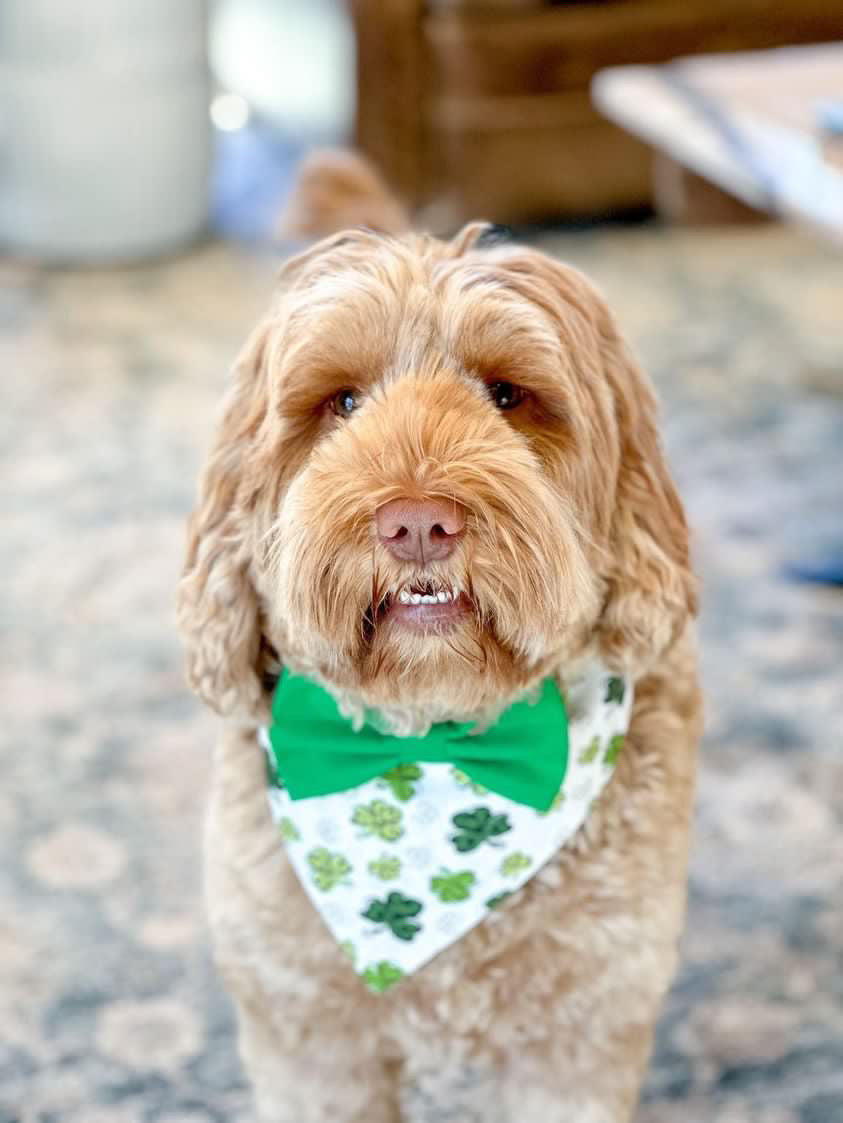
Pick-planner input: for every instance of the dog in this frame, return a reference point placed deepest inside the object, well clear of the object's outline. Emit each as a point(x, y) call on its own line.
point(436, 484)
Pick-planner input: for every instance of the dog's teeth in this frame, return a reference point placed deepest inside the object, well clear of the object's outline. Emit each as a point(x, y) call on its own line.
point(443, 596)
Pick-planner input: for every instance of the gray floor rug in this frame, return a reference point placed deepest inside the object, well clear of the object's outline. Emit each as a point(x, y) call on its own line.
point(110, 1011)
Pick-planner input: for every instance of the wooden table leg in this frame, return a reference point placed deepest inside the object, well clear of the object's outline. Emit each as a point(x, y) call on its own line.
point(681, 196)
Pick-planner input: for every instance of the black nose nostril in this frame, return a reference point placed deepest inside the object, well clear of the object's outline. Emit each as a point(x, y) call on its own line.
point(401, 532)
point(438, 531)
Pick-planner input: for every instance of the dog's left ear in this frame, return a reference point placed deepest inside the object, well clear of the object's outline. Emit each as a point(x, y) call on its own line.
point(217, 604)
point(467, 238)
point(650, 591)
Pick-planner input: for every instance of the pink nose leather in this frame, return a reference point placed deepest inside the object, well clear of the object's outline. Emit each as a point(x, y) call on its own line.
point(420, 530)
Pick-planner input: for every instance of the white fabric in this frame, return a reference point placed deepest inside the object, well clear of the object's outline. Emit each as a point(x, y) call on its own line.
point(352, 849)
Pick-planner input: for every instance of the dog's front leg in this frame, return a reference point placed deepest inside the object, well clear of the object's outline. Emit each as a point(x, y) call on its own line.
point(595, 1084)
point(309, 1030)
point(328, 1081)
point(586, 1085)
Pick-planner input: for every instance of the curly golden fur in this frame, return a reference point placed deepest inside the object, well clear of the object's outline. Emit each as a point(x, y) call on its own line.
point(575, 544)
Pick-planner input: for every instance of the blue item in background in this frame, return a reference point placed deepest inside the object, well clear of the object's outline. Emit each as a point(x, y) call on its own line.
point(253, 172)
point(830, 116)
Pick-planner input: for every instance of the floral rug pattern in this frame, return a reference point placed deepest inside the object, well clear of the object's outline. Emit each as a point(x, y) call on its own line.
point(110, 1010)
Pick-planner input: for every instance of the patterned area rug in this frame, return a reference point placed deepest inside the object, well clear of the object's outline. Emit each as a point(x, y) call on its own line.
point(110, 1011)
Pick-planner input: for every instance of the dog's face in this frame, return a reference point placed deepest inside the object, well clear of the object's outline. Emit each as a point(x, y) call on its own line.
point(437, 477)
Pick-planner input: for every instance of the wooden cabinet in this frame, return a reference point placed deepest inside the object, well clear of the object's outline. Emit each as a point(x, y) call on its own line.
point(484, 104)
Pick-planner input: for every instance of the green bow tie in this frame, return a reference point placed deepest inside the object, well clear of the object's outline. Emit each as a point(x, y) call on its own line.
point(315, 751)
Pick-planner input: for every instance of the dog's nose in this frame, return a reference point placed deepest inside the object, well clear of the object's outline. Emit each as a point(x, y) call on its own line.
point(420, 530)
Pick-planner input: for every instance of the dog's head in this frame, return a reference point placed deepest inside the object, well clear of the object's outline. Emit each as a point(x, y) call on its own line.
point(437, 476)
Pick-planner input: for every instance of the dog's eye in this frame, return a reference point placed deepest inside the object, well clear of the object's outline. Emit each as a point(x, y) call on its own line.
point(344, 402)
point(505, 395)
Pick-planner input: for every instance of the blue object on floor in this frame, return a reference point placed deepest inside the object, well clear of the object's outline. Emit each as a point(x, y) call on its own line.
point(829, 572)
point(252, 175)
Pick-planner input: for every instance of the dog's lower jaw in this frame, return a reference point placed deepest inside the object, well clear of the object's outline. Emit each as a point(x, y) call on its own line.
point(431, 617)
point(414, 677)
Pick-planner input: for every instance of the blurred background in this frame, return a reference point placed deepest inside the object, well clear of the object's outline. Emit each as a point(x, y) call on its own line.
point(689, 158)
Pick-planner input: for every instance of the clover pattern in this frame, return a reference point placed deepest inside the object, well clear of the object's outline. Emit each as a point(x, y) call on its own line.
point(385, 867)
point(615, 690)
point(590, 752)
point(516, 863)
point(349, 951)
point(327, 868)
point(498, 899)
point(476, 827)
point(451, 887)
point(614, 749)
point(402, 781)
point(465, 781)
point(397, 913)
point(289, 830)
point(379, 977)
point(272, 774)
point(395, 869)
point(379, 818)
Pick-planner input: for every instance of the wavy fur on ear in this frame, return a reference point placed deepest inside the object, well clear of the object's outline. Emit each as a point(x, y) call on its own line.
point(650, 589)
point(218, 611)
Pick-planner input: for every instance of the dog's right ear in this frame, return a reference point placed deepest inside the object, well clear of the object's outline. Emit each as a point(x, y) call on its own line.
point(469, 236)
point(218, 610)
point(336, 189)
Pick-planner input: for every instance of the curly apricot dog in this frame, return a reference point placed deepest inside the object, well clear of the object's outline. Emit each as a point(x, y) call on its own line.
point(437, 484)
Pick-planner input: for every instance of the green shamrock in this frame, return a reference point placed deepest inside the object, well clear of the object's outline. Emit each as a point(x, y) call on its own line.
point(613, 752)
point(348, 950)
point(450, 887)
point(272, 774)
point(328, 869)
point(476, 827)
point(379, 818)
point(615, 690)
point(589, 753)
point(516, 863)
point(401, 781)
point(465, 781)
point(386, 868)
point(289, 830)
point(381, 976)
point(498, 899)
point(395, 912)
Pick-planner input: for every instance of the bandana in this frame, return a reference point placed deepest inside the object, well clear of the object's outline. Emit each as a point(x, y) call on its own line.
point(404, 844)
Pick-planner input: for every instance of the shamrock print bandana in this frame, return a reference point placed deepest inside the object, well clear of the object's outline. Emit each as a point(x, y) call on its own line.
point(403, 865)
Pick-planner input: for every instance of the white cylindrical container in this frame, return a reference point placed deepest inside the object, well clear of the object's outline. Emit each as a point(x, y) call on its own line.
point(104, 131)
